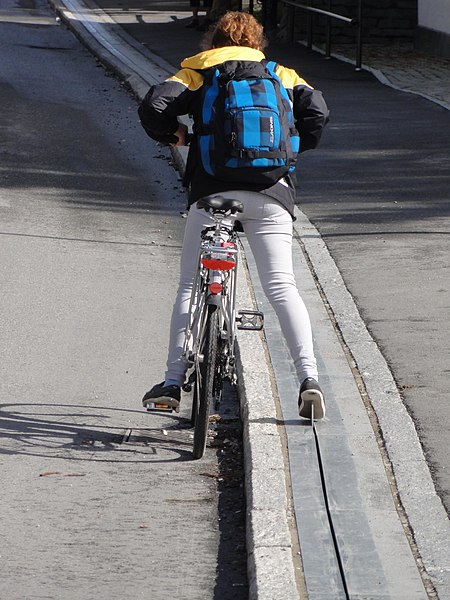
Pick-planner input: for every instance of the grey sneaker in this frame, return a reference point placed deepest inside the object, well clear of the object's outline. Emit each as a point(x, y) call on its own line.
point(162, 397)
point(311, 396)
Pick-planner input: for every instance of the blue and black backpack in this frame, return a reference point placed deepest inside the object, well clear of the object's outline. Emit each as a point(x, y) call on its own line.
point(247, 128)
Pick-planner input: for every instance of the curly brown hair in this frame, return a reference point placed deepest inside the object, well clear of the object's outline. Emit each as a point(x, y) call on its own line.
point(235, 29)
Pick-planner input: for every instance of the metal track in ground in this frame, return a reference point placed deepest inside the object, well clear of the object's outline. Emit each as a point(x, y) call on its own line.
point(351, 540)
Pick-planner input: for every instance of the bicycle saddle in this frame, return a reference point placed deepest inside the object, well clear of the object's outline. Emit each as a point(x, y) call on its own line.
point(220, 204)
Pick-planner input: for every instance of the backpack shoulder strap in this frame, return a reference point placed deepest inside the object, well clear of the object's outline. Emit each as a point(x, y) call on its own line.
point(271, 66)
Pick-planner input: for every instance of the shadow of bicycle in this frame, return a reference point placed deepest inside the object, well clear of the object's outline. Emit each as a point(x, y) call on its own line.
point(79, 432)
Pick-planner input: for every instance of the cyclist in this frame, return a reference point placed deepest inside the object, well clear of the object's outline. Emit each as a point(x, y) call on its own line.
point(268, 210)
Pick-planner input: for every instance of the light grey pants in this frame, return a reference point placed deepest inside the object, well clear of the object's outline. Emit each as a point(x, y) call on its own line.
point(268, 227)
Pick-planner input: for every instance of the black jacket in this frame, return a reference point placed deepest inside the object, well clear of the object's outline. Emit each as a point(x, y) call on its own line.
point(181, 95)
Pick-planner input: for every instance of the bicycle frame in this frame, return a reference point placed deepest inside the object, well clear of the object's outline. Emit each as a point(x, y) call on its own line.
point(212, 321)
point(214, 284)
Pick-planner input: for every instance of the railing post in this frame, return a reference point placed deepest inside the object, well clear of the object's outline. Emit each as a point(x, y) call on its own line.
point(328, 34)
point(309, 28)
point(291, 23)
point(359, 38)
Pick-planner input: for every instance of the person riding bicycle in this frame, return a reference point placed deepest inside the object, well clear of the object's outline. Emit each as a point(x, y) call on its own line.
point(268, 208)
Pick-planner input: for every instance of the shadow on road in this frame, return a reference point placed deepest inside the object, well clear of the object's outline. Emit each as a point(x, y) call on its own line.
point(81, 433)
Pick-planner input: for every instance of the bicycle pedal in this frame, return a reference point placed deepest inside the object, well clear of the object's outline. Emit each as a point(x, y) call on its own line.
point(157, 407)
point(251, 320)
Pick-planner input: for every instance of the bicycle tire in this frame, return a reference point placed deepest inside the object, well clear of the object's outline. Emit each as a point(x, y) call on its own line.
point(204, 386)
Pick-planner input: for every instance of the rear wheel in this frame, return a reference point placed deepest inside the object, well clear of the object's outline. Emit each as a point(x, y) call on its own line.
point(206, 378)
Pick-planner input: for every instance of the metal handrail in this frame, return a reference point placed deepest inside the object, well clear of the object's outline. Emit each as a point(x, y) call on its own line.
point(321, 12)
point(329, 15)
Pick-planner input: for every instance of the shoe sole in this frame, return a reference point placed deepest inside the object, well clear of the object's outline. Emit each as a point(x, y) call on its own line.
point(310, 399)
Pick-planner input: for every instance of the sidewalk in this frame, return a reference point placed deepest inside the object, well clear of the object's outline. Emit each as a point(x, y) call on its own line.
point(368, 527)
point(407, 70)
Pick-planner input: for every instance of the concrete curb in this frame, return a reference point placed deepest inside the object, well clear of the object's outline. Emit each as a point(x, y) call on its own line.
point(136, 66)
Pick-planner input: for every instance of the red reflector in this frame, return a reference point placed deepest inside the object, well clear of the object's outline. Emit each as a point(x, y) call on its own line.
point(215, 288)
point(216, 264)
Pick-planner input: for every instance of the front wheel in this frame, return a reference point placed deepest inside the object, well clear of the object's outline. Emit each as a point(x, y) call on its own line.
point(205, 378)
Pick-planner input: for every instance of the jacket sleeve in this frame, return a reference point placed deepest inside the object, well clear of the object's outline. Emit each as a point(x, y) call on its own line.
point(310, 110)
point(311, 115)
point(165, 101)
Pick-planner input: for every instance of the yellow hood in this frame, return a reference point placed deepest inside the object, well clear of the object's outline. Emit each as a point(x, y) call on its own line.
point(216, 56)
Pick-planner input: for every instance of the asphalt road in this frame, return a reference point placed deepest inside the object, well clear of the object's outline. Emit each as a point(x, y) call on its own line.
point(99, 499)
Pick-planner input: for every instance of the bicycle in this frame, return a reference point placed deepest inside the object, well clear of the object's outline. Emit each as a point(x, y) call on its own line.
point(209, 344)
